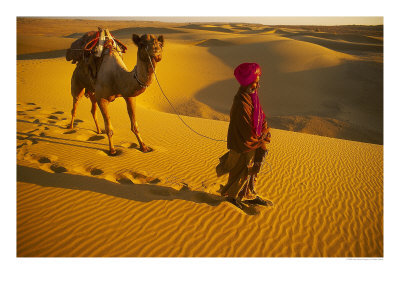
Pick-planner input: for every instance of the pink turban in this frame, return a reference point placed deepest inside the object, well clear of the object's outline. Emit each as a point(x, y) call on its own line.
point(247, 73)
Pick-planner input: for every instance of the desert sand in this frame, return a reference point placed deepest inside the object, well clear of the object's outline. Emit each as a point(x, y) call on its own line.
point(322, 91)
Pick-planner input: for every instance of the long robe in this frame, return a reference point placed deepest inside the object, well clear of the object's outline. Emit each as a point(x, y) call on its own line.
point(241, 135)
point(243, 143)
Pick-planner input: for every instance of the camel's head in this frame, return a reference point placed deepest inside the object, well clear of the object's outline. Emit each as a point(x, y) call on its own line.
point(149, 44)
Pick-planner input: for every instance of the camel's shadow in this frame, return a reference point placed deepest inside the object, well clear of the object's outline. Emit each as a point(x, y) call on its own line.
point(135, 192)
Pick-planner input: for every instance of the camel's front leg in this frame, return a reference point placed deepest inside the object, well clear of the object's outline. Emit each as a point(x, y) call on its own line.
point(131, 106)
point(94, 110)
point(76, 96)
point(103, 104)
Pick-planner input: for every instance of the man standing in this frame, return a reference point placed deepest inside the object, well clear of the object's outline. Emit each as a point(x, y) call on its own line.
point(248, 136)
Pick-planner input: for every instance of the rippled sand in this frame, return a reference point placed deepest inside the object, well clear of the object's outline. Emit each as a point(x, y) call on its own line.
point(75, 200)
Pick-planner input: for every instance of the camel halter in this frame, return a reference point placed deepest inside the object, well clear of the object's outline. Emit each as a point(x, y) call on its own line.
point(143, 85)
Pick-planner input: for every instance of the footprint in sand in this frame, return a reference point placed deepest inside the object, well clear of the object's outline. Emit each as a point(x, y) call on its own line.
point(138, 178)
point(58, 113)
point(155, 181)
point(134, 146)
point(96, 138)
point(124, 180)
point(58, 169)
point(96, 172)
point(33, 140)
point(31, 103)
point(143, 179)
point(44, 160)
point(53, 117)
point(21, 137)
point(135, 178)
point(129, 145)
point(70, 131)
point(107, 153)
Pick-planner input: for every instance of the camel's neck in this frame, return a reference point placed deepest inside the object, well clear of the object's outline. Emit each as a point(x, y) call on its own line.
point(125, 83)
point(144, 70)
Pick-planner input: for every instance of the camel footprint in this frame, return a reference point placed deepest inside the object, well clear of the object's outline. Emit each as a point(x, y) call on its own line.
point(57, 168)
point(96, 138)
point(95, 171)
point(70, 131)
point(58, 113)
point(135, 178)
point(44, 160)
point(134, 146)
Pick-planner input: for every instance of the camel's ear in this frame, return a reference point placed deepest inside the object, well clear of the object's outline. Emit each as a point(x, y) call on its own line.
point(161, 40)
point(136, 39)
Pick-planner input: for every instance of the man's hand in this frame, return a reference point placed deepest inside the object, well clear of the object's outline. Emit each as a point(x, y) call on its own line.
point(268, 137)
point(264, 145)
point(265, 139)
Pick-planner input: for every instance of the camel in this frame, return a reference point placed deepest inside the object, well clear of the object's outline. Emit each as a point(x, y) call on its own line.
point(115, 80)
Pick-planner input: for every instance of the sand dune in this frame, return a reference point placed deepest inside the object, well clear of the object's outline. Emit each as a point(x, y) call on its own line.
point(327, 193)
point(208, 27)
point(343, 46)
point(335, 76)
point(75, 200)
point(213, 42)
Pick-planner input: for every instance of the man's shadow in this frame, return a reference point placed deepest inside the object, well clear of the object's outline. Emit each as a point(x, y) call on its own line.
point(135, 192)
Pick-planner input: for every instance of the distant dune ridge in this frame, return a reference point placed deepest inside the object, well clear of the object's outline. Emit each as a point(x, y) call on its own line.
point(322, 91)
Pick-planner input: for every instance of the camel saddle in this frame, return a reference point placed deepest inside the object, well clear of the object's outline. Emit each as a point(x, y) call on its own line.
point(93, 43)
point(90, 48)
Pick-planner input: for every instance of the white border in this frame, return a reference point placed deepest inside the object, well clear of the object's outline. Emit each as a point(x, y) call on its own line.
point(202, 278)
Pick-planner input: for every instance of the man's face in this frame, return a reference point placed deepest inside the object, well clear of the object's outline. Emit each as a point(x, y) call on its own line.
point(254, 86)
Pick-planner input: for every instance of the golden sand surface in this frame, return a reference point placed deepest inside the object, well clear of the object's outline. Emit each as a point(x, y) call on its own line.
point(322, 93)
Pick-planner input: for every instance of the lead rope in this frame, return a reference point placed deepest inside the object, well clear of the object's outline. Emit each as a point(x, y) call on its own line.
point(176, 112)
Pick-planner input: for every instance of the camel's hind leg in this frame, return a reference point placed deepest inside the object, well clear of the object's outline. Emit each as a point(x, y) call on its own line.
point(77, 94)
point(94, 110)
point(103, 104)
point(131, 106)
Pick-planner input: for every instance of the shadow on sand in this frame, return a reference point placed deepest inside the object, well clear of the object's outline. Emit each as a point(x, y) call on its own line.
point(43, 55)
point(134, 192)
point(350, 94)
